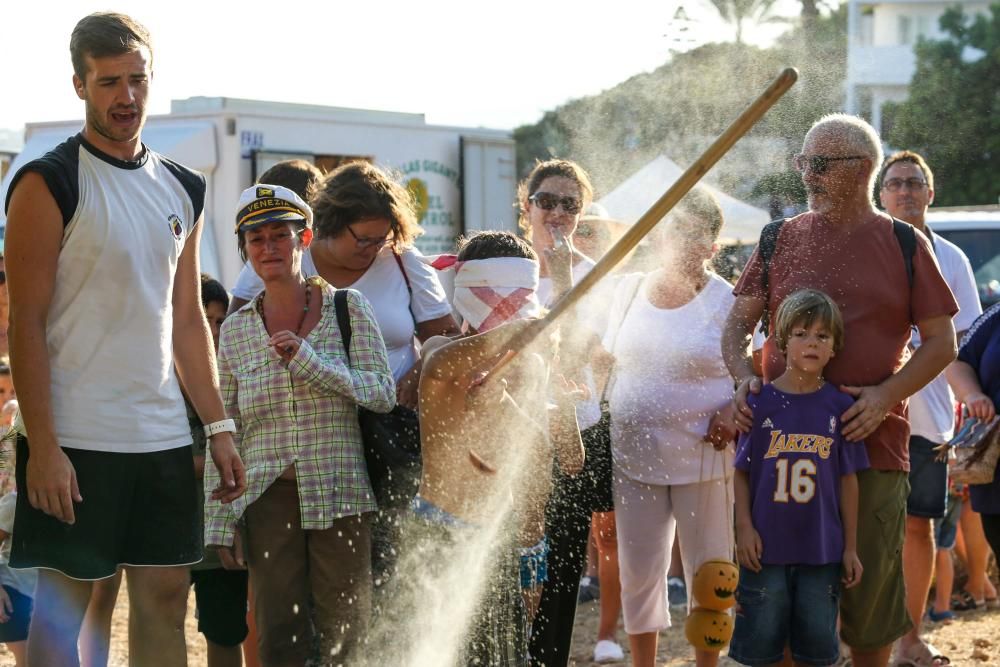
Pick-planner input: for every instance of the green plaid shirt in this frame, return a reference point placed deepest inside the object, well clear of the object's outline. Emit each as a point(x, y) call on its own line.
point(304, 415)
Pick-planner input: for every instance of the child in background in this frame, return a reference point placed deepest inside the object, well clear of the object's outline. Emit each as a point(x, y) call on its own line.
point(796, 498)
point(220, 594)
point(8, 411)
point(18, 589)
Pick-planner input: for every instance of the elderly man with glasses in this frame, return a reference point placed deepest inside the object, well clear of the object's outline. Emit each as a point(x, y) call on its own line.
point(885, 280)
point(907, 189)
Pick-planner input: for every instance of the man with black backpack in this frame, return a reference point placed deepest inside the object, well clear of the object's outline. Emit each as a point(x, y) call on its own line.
point(885, 280)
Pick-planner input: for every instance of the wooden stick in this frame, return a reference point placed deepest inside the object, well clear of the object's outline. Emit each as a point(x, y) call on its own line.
point(658, 210)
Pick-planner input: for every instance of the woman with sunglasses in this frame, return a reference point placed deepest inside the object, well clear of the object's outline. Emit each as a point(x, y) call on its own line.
point(294, 392)
point(551, 200)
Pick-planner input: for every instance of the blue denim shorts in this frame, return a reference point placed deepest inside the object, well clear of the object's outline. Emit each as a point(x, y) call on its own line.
point(928, 480)
point(781, 605)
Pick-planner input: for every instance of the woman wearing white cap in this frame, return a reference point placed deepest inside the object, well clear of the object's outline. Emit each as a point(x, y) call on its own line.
point(294, 392)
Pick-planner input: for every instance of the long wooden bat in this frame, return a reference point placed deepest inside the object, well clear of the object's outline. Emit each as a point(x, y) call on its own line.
point(650, 218)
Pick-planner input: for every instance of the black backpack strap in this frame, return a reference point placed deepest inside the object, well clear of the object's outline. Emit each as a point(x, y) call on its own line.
point(906, 235)
point(343, 320)
point(765, 249)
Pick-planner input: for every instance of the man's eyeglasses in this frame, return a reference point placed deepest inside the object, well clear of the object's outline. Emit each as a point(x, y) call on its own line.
point(365, 242)
point(818, 164)
point(896, 184)
point(548, 201)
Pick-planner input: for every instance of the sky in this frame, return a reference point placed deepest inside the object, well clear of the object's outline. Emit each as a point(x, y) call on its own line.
point(470, 63)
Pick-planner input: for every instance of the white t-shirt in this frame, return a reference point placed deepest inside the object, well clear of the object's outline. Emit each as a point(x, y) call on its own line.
point(384, 286)
point(932, 409)
point(669, 380)
point(109, 333)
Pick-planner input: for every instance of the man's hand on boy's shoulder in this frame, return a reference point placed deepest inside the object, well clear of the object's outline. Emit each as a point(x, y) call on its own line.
point(871, 405)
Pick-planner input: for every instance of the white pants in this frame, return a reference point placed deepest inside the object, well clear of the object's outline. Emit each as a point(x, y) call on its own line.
point(646, 516)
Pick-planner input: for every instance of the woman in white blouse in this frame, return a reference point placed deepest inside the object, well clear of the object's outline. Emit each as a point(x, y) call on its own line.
point(670, 402)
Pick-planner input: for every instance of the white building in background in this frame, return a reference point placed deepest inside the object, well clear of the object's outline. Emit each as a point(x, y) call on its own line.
point(880, 58)
point(462, 179)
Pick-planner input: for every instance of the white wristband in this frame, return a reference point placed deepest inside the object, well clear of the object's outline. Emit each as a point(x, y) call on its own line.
point(221, 426)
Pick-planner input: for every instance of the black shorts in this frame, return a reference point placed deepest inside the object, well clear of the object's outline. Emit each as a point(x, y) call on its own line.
point(138, 509)
point(221, 597)
point(16, 627)
point(928, 480)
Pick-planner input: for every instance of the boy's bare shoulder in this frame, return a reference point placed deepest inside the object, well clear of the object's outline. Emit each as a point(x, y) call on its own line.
point(432, 345)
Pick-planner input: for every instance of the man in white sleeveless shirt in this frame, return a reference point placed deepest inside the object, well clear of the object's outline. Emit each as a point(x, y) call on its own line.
point(106, 323)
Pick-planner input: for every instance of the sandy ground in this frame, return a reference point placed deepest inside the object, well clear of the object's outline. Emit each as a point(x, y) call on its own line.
point(973, 639)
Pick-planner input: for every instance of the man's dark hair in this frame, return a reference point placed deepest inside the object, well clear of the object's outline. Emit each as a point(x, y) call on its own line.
point(212, 291)
point(299, 176)
point(913, 158)
point(104, 34)
point(487, 245)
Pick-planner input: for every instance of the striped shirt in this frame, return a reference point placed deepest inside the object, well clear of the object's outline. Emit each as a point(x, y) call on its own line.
point(304, 415)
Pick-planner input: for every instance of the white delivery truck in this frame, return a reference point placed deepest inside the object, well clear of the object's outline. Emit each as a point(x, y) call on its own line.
point(463, 179)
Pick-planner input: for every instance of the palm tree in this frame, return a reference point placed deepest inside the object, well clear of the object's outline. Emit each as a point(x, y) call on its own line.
point(737, 12)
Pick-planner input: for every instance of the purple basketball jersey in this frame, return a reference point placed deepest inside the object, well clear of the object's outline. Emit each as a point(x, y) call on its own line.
point(796, 456)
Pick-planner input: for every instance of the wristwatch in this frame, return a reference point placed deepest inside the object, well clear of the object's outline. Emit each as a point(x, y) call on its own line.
point(221, 426)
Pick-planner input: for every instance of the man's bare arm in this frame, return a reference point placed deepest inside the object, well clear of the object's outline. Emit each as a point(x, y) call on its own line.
point(33, 240)
point(936, 351)
point(736, 334)
point(194, 358)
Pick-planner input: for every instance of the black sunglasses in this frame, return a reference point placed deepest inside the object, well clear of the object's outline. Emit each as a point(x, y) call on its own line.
point(818, 164)
point(548, 201)
point(3, 277)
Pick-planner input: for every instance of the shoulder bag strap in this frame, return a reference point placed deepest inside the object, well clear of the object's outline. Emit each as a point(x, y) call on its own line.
point(343, 320)
point(906, 235)
point(409, 288)
point(768, 244)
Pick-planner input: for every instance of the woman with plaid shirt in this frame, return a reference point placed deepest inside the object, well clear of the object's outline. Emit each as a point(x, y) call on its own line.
point(294, 394)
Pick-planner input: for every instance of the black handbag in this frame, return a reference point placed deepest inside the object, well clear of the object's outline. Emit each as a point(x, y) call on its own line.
point(391, 440)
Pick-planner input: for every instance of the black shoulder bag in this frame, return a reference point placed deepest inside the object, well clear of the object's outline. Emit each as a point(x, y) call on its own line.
point(391, 440)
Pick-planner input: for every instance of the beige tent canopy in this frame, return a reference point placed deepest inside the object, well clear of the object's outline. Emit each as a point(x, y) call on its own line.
point(637, 193)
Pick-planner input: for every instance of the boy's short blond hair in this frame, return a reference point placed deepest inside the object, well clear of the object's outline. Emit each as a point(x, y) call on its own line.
point(805, 307)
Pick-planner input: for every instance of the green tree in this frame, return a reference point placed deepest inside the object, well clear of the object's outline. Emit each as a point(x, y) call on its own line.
point(952, 114)
point(680, 106)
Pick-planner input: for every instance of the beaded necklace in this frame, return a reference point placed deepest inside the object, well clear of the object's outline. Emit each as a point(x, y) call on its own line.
point(305, 310)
